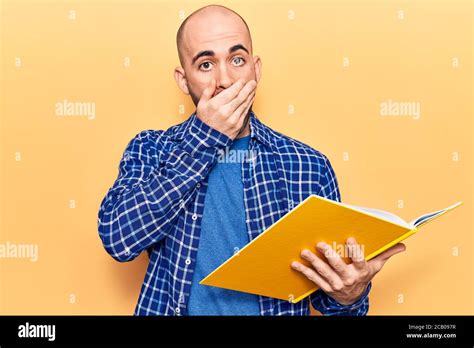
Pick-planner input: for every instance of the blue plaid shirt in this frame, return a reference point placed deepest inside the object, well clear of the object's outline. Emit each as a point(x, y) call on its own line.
point(156, 204)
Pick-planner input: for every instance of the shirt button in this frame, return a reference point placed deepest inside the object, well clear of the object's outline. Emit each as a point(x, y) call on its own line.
point(198, 185)
point(177, 310)
point(188, 261)
point(194, 217)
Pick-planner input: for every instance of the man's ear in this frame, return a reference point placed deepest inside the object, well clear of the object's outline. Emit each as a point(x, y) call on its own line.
point(258, 67)
point(181, 80)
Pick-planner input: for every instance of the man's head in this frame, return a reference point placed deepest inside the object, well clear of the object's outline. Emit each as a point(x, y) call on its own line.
point(214, 42)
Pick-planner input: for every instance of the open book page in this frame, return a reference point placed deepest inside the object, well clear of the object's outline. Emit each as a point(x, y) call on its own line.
point(430, 216)
point(398, 220)
point(380, 214)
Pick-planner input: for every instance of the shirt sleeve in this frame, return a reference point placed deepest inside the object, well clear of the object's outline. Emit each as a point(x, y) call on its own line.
point(322, 302)
point(140, 208)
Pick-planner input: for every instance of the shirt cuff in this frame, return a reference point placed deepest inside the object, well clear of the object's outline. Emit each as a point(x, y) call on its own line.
point(329, 306)
point(203, 138)
point(356, 304)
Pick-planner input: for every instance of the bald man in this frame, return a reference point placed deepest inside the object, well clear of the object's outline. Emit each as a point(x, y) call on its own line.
point(182, 195)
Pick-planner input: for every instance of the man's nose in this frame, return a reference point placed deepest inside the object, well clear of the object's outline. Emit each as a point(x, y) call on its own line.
point(224, 78)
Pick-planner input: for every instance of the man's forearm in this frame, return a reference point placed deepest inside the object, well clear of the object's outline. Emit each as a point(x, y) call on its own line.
point(139, 211)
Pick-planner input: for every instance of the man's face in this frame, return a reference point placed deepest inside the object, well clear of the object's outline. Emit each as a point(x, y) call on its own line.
point(215, 46)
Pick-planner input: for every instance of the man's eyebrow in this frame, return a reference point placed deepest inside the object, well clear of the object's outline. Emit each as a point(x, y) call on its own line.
point(202, 54)
point(238, 47)
point(212, 53)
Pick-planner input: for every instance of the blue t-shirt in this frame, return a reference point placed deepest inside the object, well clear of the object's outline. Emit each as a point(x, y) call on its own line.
point(223, 232)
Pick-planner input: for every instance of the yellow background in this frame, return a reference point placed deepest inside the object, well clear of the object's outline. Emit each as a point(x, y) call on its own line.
point(419, 51)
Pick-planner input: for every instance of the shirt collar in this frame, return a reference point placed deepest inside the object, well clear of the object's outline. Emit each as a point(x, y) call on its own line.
point(258, 130)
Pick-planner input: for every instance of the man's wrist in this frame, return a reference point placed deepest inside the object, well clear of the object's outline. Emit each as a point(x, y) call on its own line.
point(357, 303)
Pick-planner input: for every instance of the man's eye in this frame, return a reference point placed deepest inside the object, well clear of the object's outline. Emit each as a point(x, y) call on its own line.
point(206, 66)
point(239, 61)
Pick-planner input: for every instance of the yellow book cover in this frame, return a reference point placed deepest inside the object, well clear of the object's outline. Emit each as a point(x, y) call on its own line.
point(262, 267)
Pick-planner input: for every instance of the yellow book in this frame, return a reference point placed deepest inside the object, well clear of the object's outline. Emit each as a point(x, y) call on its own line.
point(263, 266)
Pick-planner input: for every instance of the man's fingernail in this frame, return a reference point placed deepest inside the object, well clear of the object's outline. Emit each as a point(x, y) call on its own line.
point(294, 265)
point(305, 253)
point(321, 245)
